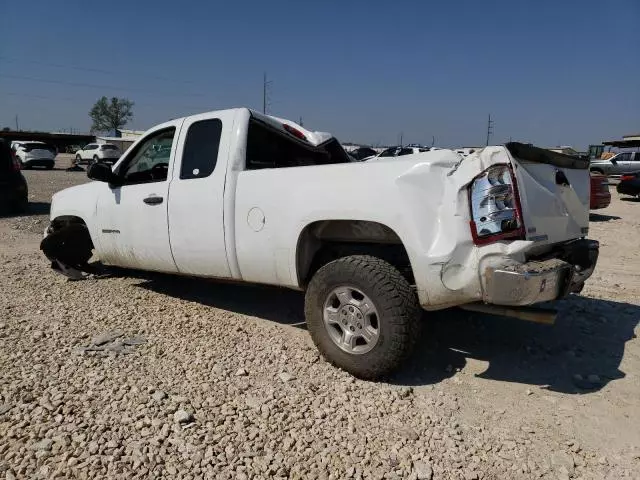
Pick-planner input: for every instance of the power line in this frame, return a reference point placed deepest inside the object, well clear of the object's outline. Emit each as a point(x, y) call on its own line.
point(86, 69)
point(102, 87)
point(70, 99)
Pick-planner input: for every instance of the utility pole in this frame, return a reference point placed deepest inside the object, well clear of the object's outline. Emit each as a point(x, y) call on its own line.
point(401, 138)
point(489, 129)
point(265, 93)
point(17, 125)
point(300, 122)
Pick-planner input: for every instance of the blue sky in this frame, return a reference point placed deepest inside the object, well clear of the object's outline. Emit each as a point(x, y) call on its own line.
point(549, 72)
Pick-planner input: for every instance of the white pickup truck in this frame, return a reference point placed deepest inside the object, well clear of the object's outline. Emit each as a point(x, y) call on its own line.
point(238, 195)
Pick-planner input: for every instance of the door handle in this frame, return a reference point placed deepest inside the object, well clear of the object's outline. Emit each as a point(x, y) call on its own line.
point(153, 200)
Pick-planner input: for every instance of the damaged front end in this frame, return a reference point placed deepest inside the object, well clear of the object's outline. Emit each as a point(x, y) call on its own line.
point(68, 245)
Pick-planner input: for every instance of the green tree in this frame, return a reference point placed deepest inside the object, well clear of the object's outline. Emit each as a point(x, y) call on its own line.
point(111, 114)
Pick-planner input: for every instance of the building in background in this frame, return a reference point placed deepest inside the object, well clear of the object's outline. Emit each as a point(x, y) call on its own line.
point(122, 138)
point(63, 142)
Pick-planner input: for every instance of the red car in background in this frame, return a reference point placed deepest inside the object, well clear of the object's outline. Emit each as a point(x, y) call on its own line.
point(600, 195)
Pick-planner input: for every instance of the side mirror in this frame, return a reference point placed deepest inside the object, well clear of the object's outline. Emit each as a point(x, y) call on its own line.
point(102, 173)
point(615, 162)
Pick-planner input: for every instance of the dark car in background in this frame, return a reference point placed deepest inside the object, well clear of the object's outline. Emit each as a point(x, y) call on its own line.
point(629, 184)
point(600, 195)
point(363, 152)
point(13, 186)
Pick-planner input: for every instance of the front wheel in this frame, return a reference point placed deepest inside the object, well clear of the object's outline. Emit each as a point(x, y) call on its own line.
point(362, 315)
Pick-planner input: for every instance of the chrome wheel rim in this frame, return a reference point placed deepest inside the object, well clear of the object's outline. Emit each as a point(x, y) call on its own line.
point(351, 319)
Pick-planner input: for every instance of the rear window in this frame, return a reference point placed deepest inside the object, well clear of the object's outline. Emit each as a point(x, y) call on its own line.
point(109, 147)
point(269, 148)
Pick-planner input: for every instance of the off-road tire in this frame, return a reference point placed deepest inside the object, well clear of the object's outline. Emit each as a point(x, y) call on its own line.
point(396, 303)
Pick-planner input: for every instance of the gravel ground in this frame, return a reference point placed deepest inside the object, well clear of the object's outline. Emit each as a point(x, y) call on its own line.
point(161, 377)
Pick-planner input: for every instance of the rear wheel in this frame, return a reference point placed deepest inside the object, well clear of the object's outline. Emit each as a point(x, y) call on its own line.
point(362, 315)
point(94, 160)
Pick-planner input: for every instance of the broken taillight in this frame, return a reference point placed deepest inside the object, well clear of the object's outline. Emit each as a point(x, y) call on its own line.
point(294, 131)
point(495, 206)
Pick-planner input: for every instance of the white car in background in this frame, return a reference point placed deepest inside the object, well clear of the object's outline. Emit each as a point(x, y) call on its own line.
point(34, 154)
point(98, 153)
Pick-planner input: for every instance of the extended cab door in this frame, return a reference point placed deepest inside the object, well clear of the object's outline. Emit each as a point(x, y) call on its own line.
point(132, 217)
point(196, 195)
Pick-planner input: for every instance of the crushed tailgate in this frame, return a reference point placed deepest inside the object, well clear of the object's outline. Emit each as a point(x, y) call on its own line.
point(554, 193)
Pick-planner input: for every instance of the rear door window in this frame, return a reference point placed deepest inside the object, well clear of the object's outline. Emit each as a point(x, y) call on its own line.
point(200, 153)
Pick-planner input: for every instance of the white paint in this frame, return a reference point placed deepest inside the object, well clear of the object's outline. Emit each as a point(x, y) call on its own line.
point(196, 207)
point(143, 239)
point(246, 224)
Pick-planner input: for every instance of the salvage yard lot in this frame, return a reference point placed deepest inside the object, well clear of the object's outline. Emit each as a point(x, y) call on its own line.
point(196, 379)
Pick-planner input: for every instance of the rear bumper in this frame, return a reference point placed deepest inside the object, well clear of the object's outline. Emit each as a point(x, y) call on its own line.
point(542, 280)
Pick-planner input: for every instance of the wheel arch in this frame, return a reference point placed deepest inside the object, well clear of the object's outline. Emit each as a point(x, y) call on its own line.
point(64, 220)
point(322, 241)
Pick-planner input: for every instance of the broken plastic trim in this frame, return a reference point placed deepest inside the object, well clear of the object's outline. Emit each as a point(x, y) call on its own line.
point(523, 151)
